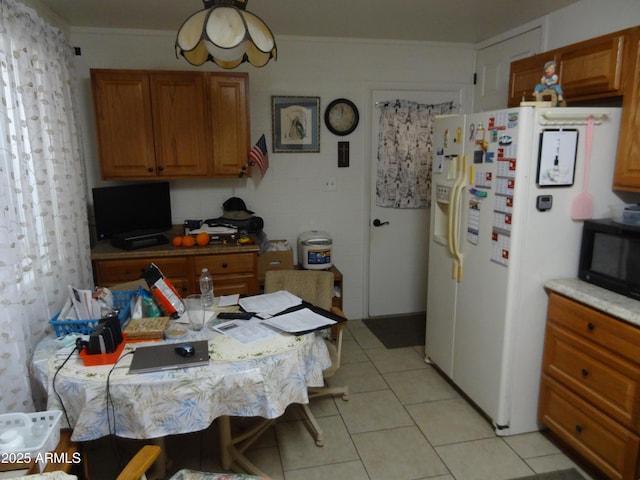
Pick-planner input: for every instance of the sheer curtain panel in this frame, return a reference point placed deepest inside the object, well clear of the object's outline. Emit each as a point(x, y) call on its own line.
point(44, 236)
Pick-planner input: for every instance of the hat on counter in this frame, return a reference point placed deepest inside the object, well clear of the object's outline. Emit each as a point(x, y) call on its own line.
point(235, 209)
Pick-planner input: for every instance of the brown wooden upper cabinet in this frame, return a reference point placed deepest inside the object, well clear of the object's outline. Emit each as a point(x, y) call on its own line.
point(586, 70)
point(627, 173)
point(170, 124)
point(600, 68)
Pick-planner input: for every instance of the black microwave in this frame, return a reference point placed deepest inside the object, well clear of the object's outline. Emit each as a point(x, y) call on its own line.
point(610, 256)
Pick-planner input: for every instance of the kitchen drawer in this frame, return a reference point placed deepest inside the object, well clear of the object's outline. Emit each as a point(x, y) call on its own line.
point(598, 327)
point(602, 441)
point(606, 380)
point(244, 284)
point(110, 272)
point(224, 264)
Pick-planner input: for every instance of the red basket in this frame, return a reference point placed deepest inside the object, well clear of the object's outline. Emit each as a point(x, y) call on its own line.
point(91, 360)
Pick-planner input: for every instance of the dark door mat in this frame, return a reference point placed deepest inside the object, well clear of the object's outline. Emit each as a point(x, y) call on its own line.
point(399, 331)
point(570, 474)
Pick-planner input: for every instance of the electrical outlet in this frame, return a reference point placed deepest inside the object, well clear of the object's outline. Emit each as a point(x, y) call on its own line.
point(329, 185)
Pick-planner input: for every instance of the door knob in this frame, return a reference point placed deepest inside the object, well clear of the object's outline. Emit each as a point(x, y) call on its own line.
point(378, 223)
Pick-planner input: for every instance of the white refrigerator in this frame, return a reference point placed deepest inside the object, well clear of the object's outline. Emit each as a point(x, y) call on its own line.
point(504, 184)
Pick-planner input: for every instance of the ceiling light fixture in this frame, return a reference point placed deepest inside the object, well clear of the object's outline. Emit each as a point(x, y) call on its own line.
point(226, 34)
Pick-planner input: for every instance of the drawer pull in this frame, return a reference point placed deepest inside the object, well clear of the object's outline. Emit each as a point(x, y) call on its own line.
point(585, 372)
point(591, 326)
point(224, 265)
point(579, 428)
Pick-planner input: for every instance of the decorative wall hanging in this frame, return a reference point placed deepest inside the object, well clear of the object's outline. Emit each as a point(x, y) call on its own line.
point(557, 157)
point(296, 124)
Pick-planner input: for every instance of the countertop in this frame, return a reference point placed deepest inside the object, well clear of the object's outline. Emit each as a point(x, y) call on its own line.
point(606, 301)
point(106, 251)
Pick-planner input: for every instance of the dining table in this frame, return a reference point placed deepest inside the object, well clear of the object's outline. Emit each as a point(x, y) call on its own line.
point(257, 379)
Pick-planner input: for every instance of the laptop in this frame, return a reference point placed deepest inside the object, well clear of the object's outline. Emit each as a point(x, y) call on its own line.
point(164, 357)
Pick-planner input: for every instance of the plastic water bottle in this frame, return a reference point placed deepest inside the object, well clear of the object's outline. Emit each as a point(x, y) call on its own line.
point(206, 288)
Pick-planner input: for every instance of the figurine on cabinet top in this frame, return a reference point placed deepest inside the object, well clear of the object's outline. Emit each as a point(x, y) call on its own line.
point(549, 84)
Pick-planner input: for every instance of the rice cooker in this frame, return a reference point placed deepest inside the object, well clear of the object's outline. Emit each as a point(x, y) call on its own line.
point(314, 250)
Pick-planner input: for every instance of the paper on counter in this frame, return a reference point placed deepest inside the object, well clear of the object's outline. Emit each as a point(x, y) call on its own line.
point(270, 303)
point(228, 300)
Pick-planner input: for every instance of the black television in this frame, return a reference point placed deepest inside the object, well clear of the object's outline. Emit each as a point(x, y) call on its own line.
point(132, 208)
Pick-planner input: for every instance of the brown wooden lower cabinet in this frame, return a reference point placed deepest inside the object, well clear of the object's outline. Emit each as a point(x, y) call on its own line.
point(232, 272)
point(602, 441)
point(590, 388)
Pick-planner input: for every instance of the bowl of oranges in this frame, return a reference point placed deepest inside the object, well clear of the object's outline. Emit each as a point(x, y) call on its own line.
point(201, 239)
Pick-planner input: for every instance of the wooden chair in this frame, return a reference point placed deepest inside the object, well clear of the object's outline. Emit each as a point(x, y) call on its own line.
point(316, 287)
point(134, 470)
point(140, 463)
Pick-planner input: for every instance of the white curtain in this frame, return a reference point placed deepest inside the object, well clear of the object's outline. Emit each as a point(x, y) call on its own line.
point(44, 237)
point(405, 153)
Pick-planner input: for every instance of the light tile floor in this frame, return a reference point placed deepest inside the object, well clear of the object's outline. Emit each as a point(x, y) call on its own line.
point(402, 421)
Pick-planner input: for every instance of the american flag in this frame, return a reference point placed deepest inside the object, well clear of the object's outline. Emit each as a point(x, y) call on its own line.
point(259, 155)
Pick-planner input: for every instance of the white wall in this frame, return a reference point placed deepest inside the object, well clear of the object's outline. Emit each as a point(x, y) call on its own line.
point(290, 198)
point(591, 18)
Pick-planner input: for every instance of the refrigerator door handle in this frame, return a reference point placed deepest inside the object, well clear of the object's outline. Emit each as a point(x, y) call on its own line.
point(461, 182)
point(451, 214)
point(454, 218)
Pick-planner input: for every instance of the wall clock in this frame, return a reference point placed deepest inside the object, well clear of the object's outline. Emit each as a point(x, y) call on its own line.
point(341, 117)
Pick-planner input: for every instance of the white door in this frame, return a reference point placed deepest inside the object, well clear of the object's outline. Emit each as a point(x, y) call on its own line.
point(492, 68)
point(398, 248)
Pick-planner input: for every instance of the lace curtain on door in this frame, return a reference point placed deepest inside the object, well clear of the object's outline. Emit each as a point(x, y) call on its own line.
point(403, 172)
point(44, 235)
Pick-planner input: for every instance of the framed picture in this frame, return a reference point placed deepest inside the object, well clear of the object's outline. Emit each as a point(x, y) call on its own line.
point(557, 157)
point(296, 124)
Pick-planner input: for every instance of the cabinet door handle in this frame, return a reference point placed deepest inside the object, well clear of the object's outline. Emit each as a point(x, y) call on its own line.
point(585, 372)
point(591, 326)
point(579, 428)
point(150, 169)
point(160, 168)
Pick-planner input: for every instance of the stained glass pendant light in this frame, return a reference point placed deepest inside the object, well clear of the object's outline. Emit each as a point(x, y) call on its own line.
point(226, 34)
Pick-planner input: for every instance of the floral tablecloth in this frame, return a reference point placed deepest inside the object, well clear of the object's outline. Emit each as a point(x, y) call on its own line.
point(195, 475)
point(261, 379)
point(57, 476)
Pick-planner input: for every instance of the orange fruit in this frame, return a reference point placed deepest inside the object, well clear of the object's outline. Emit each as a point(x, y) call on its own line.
point(188, 241)
point(202, 239)
point(177, 241)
